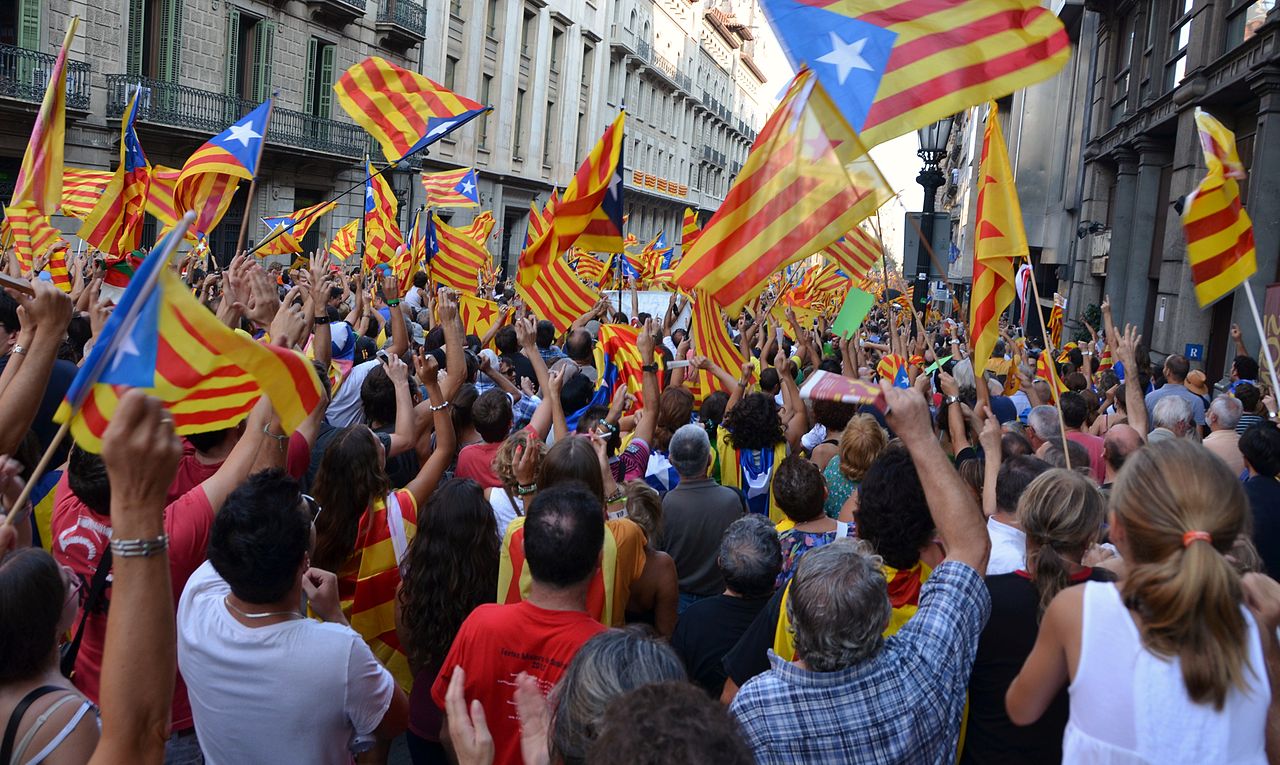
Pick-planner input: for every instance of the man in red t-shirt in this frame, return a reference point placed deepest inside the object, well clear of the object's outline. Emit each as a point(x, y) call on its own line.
point(81, 532)
point(563, 538)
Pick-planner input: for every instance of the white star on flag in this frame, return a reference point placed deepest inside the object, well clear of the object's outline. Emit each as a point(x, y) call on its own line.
point(244, 133)
point(441, 128)
point(845, 56)
point(127, 347)
point(467, 186)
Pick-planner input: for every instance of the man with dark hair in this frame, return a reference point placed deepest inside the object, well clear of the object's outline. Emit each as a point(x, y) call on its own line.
point(266, 683)
point(1260, 446)
point(1244, 369)
point(1074, 413)
point(509, 351)
point(387, 401)
point(749, 560)
point(692, 729)
point(1176, 368)
point(546, 336)
point(1008, 542)
point(563, 541)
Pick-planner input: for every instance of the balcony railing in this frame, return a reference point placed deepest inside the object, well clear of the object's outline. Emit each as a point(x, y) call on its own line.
point(621, 37)
point(713, 157)
point(24, 76)
point(165, 103)
point(407, 15)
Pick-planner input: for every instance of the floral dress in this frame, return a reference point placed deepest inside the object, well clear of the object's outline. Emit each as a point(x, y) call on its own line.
point(797, 543)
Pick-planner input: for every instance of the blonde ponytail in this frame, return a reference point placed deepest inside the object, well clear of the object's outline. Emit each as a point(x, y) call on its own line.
point(1061, 513)
point(1181, 511)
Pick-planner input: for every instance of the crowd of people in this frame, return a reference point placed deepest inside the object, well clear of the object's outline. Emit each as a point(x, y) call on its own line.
point(464, 547)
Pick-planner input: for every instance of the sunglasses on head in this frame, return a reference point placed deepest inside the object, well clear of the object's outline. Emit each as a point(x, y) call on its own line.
point(312, 505)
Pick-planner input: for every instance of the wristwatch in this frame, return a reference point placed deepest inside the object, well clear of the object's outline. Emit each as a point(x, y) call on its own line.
point(649, 368)
point(951, 400)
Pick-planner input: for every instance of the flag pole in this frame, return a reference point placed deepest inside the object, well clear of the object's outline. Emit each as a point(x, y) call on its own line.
point(1051, 363)
point(1266, 347)
point(363, 212)
point(184, 224)
point(253, 182)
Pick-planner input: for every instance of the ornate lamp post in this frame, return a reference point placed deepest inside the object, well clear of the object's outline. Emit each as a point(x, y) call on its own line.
point(933, 145)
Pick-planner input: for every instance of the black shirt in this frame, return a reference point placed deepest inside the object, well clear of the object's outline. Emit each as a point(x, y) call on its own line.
point(705, 633)
point(1003, 647)
point(750, 655)
point(1264, 503)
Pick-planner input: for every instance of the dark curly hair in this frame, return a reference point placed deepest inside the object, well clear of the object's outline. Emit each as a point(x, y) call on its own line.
point(452, 568)
point(754, 423)
point(892, 512)
point(833, 415)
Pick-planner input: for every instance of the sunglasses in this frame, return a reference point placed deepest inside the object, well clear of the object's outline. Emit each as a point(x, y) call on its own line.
point(74, 584)
point(312, 505)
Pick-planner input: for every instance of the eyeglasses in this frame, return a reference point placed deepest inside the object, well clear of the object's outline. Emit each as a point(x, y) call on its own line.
point(74, 584)
point(312, 505)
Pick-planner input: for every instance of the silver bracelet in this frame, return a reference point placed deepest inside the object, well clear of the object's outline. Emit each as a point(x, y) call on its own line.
point(139, 548)
point(440, 407)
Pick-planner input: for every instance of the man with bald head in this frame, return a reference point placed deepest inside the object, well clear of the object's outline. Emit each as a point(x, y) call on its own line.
point(1121, 441)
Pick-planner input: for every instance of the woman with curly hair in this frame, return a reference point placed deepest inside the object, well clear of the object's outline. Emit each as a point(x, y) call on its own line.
point(752, 440)
point(451, 567)
point(508, 500)
point(361, 513)
point(675, 409)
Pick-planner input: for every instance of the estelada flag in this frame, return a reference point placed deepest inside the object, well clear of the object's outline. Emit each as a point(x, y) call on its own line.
point(1001, 242)
point(212, 173)
point(114, 225)
point(403, 110)
point(159, 338)
point(806, 182)
point(286, 232)
point(452, 188)
point(892, 66)
point(1220, 248)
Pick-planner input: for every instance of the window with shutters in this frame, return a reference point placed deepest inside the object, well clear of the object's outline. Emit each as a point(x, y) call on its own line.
point(22, 29)
point(450, 72)
point(318, 97)
point(250, 45)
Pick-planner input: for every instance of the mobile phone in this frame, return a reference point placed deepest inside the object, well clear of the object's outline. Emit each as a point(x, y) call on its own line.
point(383, 356)
point(17, 283)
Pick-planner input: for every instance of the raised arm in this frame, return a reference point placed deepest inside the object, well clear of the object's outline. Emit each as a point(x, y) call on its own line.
point(141, 455)
point(455, 343)
point(650, 392)
point(397, 331)
point(48, 312)
point(798, 425)
point(433, 469)
point(405, 435)
point(321, 334)
point(954, 512)
point(526, 335)
point(1135, 404)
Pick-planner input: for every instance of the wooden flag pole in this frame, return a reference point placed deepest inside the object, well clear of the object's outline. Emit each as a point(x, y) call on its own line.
point(1052, 365)
point(11, 513)
point(253, 182)
point(1262, 333)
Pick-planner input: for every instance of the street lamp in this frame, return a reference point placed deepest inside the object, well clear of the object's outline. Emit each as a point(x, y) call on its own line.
point(933, 145)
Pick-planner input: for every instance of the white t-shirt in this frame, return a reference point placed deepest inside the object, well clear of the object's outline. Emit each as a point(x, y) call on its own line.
point(298, 691)
point(503, 511)
point(1008, 548)
point(345, 408)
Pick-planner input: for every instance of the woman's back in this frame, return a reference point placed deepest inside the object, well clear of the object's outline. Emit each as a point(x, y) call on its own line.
point(1129, 705)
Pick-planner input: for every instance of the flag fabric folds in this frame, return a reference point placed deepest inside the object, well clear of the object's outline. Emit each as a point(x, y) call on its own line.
point(591, 269)
point(403, 110)
point(603, 232)
point(460, 254)
point(478, 314)
point(690, 230)
point(1054, 323)
point(31, 231)
point(711, 339)
point(208, 376)
point(806, 181)
point(81, 190)
point(58, 268)
point(856, 253)
point(896, 65)
point(212, 173)
point(382, 237)
point(570, 215)
point(452, 188)
point(1220, 248)
point(343, 244)
point(292, 229)
point(114, 225)
point(617, 344)
point(40, 174)
point(160, 202)
point(1000, 242)
point(557, 295)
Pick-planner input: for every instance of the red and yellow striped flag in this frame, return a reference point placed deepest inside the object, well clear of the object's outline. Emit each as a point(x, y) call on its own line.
point(40, 174)
point(480, 227)
point(58, 268)
point(343, 245)
point(31, 231)
point(603, 232)
point(459, 256)
point(81, 190)
point(586, 192)
point(538, 219)
point(403, 110)
point(1220, 248)
point(1055, 321)
point(557, 295)
point(690, 230)
point(806, 182)
point(213, 172)
point(896, 65)
point(382, 237)
point(1001, 240)
point(711, 339)
point(452, 188)
point(1049, 373)
point(160, 196)
point(161, 339)
point(591, 269)
point(114, 225)
point(855, 253)
point(292, 229)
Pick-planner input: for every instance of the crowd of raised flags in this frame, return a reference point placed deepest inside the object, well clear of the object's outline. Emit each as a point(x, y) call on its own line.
point(792, 258)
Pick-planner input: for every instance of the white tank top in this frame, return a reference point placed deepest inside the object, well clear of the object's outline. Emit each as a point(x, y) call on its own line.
point(1130, 706)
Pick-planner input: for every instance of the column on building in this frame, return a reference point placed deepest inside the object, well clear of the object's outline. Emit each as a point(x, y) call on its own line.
point(1148, 208)
point(1119, 264)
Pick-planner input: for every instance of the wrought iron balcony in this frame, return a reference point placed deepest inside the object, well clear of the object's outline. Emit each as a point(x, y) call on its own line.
point(24, 76)
point(340, 12)
point(401, 24)
point(164, 103)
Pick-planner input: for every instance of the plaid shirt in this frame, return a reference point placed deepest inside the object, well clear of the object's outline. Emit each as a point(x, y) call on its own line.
point(522, 411)
point(902, 705)
point(551, 355)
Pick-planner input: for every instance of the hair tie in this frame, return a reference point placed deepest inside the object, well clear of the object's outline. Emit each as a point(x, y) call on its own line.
point(1196, 536)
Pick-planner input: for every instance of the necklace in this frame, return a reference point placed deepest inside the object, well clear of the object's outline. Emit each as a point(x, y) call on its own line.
point(264, 615)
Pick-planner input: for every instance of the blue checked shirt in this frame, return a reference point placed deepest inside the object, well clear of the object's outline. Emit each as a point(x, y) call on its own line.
point(522, 411)
point(901, 706)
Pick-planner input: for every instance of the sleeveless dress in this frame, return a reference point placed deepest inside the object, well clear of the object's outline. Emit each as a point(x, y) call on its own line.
point(1130, 706)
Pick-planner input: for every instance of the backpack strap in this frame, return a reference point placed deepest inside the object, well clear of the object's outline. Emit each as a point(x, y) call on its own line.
point(97, 594)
